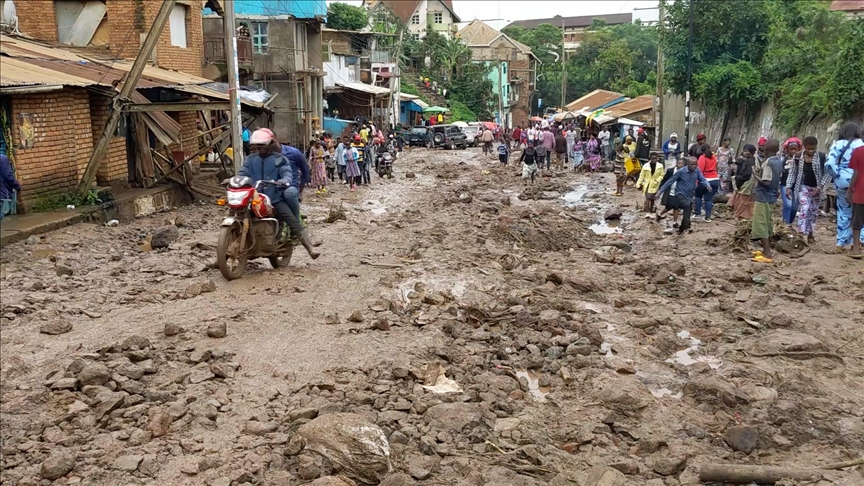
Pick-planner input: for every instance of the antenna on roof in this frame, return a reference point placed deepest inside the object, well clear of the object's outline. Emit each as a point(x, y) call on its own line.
point(9, 19)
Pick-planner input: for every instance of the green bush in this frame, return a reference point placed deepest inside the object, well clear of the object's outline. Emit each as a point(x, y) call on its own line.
point(53, 203)
point(460, 112)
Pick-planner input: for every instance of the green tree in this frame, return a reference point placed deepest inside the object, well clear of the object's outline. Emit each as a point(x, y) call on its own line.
point(343, 16)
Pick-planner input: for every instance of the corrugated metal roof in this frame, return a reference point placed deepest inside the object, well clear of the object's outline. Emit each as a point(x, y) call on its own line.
point(583, 21)
point(847, 5)
point(28, 72)
point(594, 100)
point(420, 103)
point(407, 97)
point(27, 63)
point(635, 105)
point(365, 88)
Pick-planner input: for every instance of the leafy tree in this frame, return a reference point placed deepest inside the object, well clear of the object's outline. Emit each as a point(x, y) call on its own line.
point(343, 16)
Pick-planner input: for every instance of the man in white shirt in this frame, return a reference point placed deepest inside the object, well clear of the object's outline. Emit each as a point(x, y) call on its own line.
point(603, 136)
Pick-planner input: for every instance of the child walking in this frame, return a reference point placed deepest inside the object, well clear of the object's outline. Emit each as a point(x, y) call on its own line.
point(619, 169)
point(504, 152)
point(319, 173)
point(529, 163)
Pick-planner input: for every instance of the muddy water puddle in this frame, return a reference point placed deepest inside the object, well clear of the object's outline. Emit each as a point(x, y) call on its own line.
point(606, 228)
point(574, 197)
point(537, 392)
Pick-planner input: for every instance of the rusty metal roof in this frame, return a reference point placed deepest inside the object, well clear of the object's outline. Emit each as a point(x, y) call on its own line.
point(594, 100)
point(635, 105)
point(24, 62)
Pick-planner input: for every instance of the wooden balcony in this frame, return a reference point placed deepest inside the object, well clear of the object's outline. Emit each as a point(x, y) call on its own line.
point(214, 50)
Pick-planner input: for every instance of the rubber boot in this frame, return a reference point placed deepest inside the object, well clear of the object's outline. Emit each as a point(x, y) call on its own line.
point(304, 240)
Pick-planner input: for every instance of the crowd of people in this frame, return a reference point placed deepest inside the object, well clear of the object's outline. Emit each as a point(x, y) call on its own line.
point(808, 182)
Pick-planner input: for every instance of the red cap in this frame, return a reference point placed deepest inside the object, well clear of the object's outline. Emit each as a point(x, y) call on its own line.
point(762, 141)
point(701, 136)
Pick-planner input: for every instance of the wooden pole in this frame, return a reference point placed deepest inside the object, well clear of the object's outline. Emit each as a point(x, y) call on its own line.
point(658, 110)
point(125, 92)
point(394, 78)
point(233, 82)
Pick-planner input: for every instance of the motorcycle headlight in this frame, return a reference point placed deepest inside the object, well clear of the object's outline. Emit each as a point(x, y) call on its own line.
point(236, 198)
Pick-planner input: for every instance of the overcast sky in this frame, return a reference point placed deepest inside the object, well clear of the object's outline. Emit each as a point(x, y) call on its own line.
point(513, 10)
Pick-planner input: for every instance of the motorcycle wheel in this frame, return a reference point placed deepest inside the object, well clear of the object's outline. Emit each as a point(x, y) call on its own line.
point(231, 262)
point(283, 260)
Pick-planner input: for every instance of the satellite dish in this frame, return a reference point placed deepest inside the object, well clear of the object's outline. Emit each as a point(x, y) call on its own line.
point(10, 16)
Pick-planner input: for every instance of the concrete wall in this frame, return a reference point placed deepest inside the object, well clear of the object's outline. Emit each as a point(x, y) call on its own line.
point(338, 71)
point(744, 126)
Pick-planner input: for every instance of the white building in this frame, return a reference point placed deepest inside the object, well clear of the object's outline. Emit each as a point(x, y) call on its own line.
point(420, 15)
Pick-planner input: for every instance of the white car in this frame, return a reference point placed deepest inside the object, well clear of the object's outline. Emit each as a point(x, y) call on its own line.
point(471, 133)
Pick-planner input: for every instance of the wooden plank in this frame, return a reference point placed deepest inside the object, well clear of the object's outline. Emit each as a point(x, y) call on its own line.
point(142, 144)
point(87, 23)
point(178, 106)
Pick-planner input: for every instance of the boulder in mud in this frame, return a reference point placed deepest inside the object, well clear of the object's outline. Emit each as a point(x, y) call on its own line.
point(623, 394)
point(94, 374)
point(613, 213)
point(56, 327)
point(58, 464)
point(164, 236)
point(453, 416)
point(355, 446)
point(742, 438)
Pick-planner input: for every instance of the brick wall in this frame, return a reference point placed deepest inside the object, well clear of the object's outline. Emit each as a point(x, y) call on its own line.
point(189, 133)
point(189, 59)
point(37, 19)
point(128, 22)
point(115, 166)
point(63, 142)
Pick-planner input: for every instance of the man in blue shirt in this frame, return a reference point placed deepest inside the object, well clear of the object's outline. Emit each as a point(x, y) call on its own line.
point(300, 168)
point(687, 180)
point(245, 137)
point(765, 193)
point(8, 183)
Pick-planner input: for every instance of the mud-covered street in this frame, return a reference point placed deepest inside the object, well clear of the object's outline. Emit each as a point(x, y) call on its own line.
point(457, 330)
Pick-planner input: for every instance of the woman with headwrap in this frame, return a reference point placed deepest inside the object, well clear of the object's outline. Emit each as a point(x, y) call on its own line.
point(837, 170)
point(743, 183)
point(802, 185)
point(791, 148)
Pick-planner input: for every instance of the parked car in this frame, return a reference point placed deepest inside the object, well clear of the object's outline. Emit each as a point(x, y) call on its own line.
point(417, 137)
point(471, 134)
point(447, 136)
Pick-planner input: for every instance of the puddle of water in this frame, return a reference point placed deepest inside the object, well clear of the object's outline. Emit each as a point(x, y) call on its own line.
point(683, 357)
point(575, 196)
point(604, 228)
point(537, 392)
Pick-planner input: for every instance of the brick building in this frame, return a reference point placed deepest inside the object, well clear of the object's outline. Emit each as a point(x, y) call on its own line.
point(121, 30)
point(54, 105)
point(514, 70)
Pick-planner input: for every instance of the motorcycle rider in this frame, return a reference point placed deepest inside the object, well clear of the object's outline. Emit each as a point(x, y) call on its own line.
point(265, 163)
point(300, 169)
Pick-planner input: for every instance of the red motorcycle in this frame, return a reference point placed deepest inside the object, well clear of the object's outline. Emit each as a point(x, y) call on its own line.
point(251, 229)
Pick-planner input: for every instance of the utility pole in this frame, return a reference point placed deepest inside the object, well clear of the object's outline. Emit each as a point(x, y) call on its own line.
point(500, 88)
point(658, 109)
point(563, 70)
point(689, 79)
point(125, 92)
point(397, 76)
point(233, 81)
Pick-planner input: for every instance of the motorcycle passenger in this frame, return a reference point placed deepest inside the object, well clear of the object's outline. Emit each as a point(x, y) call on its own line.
point(263, 164)
point(300, 169)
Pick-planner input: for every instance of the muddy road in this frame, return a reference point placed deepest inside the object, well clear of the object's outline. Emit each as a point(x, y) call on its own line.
point(483, 334)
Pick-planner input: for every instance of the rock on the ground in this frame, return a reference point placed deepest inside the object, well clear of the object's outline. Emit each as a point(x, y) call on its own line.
point(55, 327)
point(164, 236)
point(453, 416)
point(355, 446)
point(742, 438)
point(254, 427)
point(94, 374)
point(398, 479)
point(58, 464)
point(605, 476)
point(128, 463)
point(159, 423)
point(613, 213)
point(217, 330)
point(172, 329)
point(333, 481)
point(356, 316)
point(421, 467)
